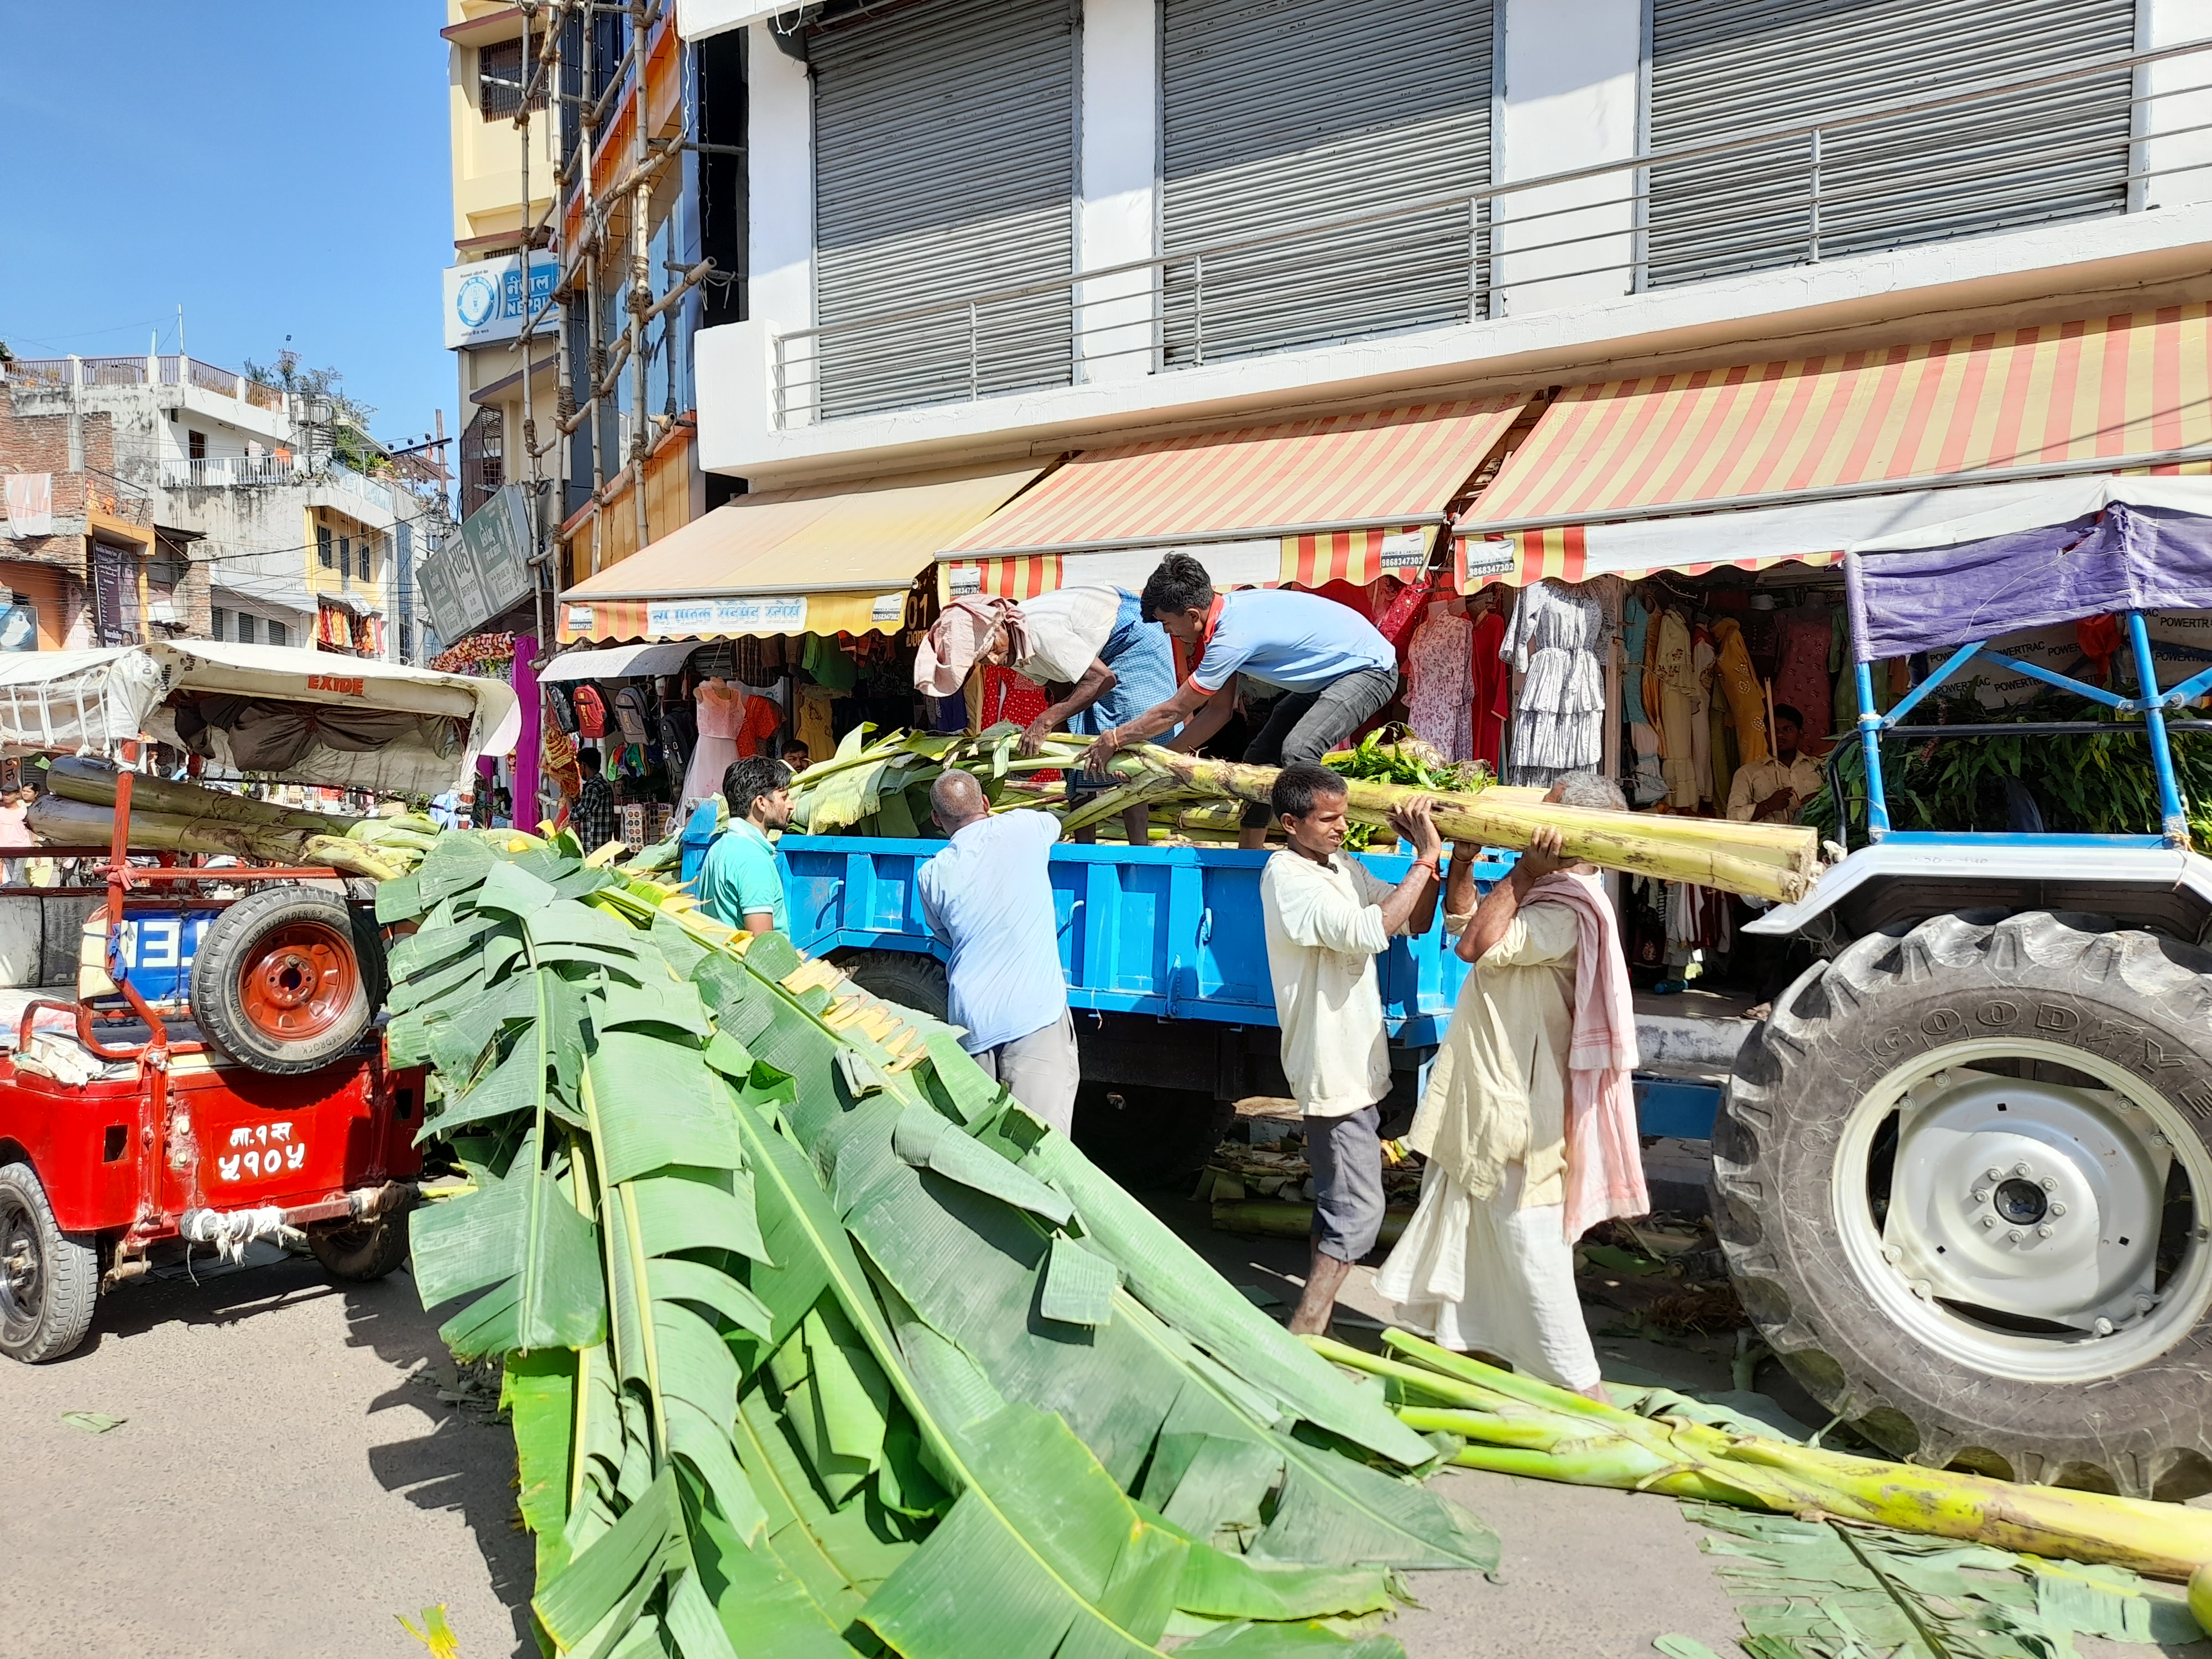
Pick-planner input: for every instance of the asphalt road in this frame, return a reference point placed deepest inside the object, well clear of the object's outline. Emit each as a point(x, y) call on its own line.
point(288, 1479)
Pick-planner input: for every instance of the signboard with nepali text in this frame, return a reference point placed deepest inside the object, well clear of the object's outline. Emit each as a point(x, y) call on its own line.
point(483, 569)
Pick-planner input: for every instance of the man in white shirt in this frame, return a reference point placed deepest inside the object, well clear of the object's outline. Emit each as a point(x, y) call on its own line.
point(1328, 918)
point(1775, 790)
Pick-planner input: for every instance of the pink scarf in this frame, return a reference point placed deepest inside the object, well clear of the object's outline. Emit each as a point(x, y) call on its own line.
point(961, 634)
point(1605, 1161)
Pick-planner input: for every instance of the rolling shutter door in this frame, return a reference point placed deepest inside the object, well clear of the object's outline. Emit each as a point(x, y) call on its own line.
point(1276, 113)
point(1722, 67)
point(945, 165)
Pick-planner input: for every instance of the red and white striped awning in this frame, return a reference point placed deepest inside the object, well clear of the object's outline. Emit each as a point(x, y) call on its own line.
point(1691, 471)
point(1335, 498)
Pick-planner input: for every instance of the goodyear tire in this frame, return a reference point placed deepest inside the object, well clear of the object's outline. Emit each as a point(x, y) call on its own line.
point(49, 1279)
point(281, 984)
point(1963, 1178)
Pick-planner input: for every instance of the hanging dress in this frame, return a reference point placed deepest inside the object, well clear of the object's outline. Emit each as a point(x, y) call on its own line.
point(1439, 702)
point(1553, 642)
point(1492, 684)
point(721, 709)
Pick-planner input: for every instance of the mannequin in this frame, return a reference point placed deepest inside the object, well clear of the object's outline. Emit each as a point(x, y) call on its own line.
point(721, 708)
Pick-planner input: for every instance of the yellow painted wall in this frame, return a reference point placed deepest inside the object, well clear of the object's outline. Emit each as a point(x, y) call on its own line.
point(487, 155)
point(347, 581)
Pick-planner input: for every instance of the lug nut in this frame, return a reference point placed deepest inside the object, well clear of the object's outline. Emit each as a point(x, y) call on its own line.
point(2145, 1303)
point(2045, 1231)
point(2102, 1327)
point(2058, 1209)
point(1988, 1221)
point(2014, 1237)
point(1994, 1173)
point(1923, 1289)
point(2049, 1183)
point(1892, 1253)
point(2020, 1169)
point(1981, 1195)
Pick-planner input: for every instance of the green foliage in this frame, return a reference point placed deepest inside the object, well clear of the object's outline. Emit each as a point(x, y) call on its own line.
point(1405, 761)
point(817, 1343)
point(2090, 783)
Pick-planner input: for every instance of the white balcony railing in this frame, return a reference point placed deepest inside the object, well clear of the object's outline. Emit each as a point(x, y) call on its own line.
point(1990, 156)
point(229, 472)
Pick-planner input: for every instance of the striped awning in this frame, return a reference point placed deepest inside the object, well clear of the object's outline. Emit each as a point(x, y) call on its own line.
point(825, 560)
point(1752, 465)
point(1334, 498)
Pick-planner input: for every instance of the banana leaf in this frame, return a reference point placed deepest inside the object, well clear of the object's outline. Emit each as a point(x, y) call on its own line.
point(827, 1400)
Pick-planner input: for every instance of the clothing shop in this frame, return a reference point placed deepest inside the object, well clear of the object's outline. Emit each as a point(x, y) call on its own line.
point(1666, 554)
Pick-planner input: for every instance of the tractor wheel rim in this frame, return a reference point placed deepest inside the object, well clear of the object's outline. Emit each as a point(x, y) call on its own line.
point(301, 981)
point(21, 1290)
point(2024, 1232)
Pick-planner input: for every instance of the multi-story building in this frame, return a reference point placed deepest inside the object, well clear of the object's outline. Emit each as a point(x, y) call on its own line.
point(580, 220)
point(188, 500)
point(1579, 243)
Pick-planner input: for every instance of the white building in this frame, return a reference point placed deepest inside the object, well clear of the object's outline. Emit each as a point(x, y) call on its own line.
point(984, 231)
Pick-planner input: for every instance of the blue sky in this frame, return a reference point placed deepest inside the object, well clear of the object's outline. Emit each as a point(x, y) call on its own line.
point(275, 168)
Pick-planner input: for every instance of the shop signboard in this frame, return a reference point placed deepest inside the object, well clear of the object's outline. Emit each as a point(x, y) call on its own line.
point(483, 569)
point(486, 300)
point(783, 613)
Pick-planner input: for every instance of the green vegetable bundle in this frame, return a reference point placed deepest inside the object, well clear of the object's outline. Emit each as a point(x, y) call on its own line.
point(815, 1342)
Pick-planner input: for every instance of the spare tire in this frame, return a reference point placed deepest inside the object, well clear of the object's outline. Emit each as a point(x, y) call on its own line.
point(280, 984)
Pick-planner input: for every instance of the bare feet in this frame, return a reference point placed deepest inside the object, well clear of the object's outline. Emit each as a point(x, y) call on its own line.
point(1596, 1391)
point(1760, 1010)
point(1325, 1276)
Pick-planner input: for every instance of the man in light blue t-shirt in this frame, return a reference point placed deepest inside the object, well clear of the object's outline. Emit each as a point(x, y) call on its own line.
point(741, 883)
point(1332, 669)
point(988, 896)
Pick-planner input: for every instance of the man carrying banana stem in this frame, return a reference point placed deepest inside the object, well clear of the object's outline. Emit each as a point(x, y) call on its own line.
point(1328, 917)
point(1334, 672)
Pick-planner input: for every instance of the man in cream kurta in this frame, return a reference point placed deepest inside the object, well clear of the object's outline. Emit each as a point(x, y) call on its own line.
point(1485, 1266)
point(1328, 917)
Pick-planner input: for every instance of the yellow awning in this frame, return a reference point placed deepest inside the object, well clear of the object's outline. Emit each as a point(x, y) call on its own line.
point(827, 560)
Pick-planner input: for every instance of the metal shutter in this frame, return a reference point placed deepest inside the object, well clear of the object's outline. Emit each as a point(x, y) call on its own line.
point(1721, 67)
point(944, 146)
point(1276, 113)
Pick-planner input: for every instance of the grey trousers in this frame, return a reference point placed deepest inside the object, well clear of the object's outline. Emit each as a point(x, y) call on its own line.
point(1040, 1070)
point(1306, 725)
point(1347, 1156)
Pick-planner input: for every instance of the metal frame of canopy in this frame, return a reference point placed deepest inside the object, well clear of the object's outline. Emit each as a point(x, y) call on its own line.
point(2112, 542)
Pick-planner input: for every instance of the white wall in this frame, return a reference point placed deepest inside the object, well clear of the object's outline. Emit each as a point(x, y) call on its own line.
point(780, 137)
point(2179, 166)
point(1120, 119)
point(1568, 76)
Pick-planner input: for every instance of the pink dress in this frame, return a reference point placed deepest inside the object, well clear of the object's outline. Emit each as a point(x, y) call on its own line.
point(721, 711)
point(1439, 706)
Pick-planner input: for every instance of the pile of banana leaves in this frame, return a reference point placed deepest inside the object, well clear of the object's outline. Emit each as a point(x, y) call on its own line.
point(816, 1343)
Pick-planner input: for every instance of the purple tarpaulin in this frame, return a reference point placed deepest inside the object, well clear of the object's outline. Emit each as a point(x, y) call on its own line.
point(2128, 558)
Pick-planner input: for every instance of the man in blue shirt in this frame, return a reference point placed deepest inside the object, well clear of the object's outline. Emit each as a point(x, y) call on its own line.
point(1333, 671)
point(988, 896)
point(741, 883)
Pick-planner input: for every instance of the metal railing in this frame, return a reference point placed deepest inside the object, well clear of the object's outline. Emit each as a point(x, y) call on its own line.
point(229, 472)
point(140, 371)
point(1989, 156)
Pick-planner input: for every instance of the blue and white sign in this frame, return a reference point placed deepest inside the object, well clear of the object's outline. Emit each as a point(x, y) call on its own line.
point(486, 300)
point(677, 618)
point(155, 951)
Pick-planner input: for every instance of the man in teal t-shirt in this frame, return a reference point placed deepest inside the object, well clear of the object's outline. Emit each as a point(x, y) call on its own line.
point(741, 883)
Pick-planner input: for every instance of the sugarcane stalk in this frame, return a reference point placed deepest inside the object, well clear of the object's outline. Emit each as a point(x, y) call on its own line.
point(78, 779)
point(1595, 1444)
point(82, 823)
point(1611, 840)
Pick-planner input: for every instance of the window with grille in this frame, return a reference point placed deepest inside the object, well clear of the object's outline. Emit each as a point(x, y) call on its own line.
point(364, 558)
point(500, 74)
point(196, 446)
point(218, 623)
point(246, 629)
point(323, 546)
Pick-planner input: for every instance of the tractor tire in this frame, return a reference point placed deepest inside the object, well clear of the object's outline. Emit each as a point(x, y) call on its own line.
point(1962, 1177)
point(49, 1279)
point(364, 1252)
point(906, 977)
point(281, 983)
